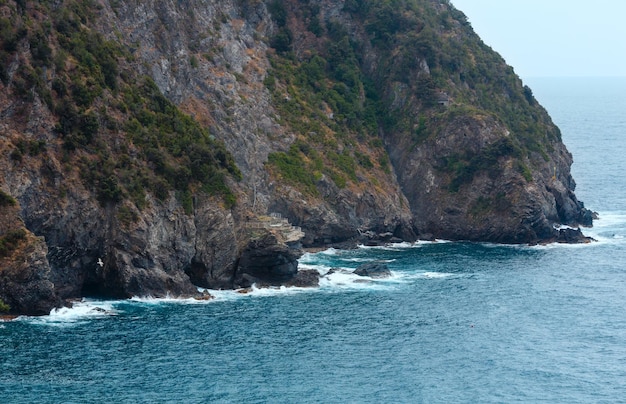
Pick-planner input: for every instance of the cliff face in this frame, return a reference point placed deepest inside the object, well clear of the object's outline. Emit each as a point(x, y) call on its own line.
point(144, 142)
point(498, 204)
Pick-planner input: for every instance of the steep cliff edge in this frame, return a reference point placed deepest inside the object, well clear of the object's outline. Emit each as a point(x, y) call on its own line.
point(140, 141)
point(474, 153)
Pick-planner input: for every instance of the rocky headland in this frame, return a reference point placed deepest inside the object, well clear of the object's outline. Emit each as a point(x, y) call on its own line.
point(154, 147)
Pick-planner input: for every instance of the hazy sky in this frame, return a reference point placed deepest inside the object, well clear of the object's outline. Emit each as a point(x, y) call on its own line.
point(553, 37)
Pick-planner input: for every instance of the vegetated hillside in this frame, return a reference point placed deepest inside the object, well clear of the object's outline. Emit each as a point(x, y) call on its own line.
point(143, 144)
point(474, 153)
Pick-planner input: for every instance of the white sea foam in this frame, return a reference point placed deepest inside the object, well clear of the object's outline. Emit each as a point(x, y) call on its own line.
point(564, 226)
point(79, 312)
point(222, 295)
point(604, 238)
point(252, 292)
point(330, 251)
point(346, 280)
point(322, 269)
point(386, 247)
point(357, 259)
point(307, 257)
point(408, 277)
point(403, 245)
point(342, 278)
point(310, 257)
point(277, 290)
point(217, 295)
point(161, 300)
point(363, 259)
point(496, 245)
point(553, 246)
point(610, 219)
point(435, 275)
point(610, 228)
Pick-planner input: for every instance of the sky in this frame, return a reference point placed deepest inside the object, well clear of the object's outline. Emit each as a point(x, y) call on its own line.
point(553, 38)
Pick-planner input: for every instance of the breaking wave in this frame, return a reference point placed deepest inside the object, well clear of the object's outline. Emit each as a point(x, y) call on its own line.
point(80, 312)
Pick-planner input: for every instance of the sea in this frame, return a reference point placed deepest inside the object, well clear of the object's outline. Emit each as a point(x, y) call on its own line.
point(456, 322)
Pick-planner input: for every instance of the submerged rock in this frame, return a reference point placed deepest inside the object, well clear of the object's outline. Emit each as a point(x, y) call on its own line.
point(373, 270)
point(572, 236)
point(305, 278)
point(204, 296)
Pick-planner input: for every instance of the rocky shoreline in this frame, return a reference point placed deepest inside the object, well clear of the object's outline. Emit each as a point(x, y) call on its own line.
point(266, 264)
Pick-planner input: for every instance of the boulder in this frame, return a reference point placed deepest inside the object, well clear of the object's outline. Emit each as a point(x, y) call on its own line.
point(332, 271)
point(305, 278)
point(25, 284)
point(266, 261)
point(572, 236)
point(373, 270)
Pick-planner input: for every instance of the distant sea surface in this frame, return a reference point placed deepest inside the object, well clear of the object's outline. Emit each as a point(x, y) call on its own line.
point(456, 323)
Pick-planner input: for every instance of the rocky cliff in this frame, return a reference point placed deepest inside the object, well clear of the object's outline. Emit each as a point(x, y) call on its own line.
point(142, 143)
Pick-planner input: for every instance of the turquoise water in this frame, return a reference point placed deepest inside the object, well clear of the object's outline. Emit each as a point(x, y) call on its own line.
point(457, 322)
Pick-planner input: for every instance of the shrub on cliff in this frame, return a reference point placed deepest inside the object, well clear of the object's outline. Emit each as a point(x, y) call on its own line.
point(4, 308)
point(122, 135)
point(6, 199)
point(10, 241)
point(326, 99)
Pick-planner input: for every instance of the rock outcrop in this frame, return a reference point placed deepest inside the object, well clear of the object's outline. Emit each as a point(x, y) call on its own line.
point(26, 279)
point(374, 270)
point(305, 278)
point(496, 204)
point(267, 261)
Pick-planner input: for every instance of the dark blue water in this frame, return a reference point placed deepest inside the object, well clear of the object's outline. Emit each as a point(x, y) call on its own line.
point(457, 322)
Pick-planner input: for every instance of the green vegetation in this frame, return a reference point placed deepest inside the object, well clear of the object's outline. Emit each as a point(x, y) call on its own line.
point(484, 205)
point(193, 61)
point(525, 171)
point(126, 215)
point(293, 169)
point(6, 199)
point(464, 166)
point(336, 101)
point(406, 34)
point(117, 129)
point(11, 33)
point(326, 99)
point(178, 149)
point(127, 140)
point(283, 38)
point(30, 147)
point(10, 240)
point(4, 308)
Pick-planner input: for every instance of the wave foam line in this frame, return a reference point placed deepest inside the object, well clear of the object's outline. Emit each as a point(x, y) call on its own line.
point(435, 275)
point(403, 245)
point(610, 219)
point(80, 311)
